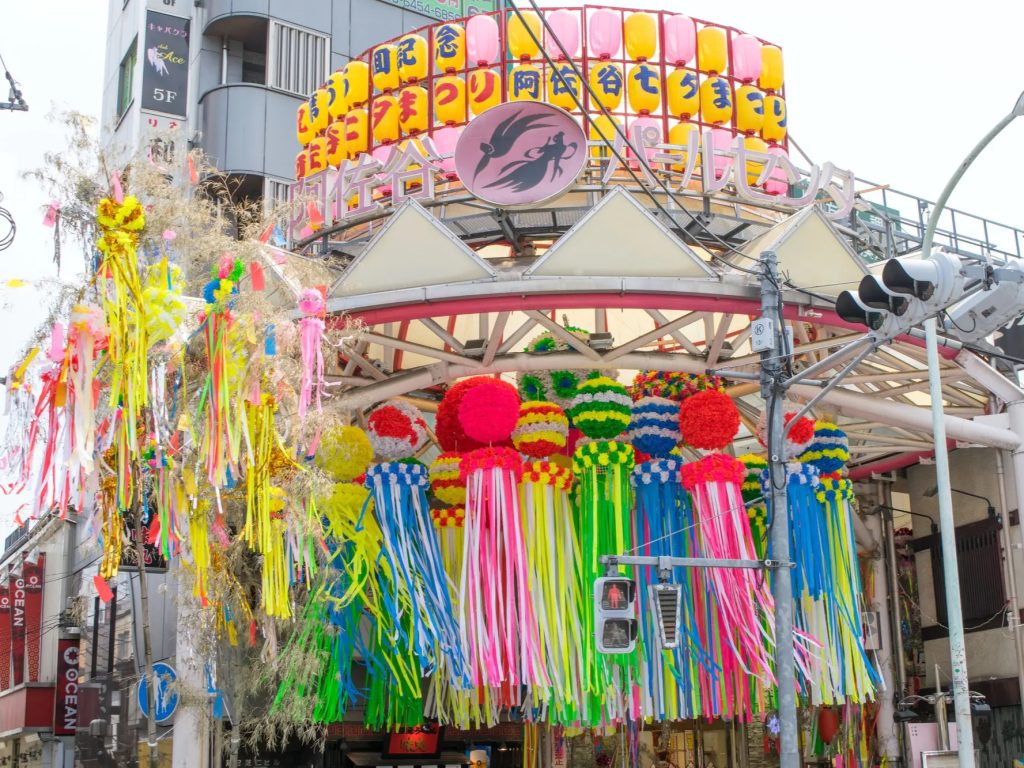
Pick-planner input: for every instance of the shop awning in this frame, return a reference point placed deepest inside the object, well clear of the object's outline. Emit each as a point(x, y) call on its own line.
point(377, 760)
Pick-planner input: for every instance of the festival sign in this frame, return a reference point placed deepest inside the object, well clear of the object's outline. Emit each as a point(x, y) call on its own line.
point(520, 154)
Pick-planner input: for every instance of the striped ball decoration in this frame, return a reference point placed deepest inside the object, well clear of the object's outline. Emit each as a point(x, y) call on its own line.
point(445, 482)
point(601, 408)
point(542, 429)
point(672, 385)
point(558, 387)
point(829, 449)
point(396, 430)
point(654, 426)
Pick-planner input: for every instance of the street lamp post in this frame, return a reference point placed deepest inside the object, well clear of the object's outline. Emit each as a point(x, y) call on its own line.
point(957, 649)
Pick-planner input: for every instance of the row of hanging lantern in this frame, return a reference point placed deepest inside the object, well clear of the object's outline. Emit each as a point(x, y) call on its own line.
point(657, 69)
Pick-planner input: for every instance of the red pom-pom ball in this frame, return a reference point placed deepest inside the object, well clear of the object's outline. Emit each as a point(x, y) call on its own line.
point(708, 420)
point(450, 434)
point(396, 430)
point(488, 412)
point(802, 432)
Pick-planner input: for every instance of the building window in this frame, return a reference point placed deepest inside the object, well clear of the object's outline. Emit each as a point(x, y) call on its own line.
point(298, 59)
point(126, 79)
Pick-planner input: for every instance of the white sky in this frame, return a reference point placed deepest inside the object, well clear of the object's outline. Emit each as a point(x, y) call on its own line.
point(898, 91)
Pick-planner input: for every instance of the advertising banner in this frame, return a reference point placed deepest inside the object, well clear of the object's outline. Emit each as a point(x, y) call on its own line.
point(34, 614)
point(65, 702)
point(165, 64)
point(17, 624)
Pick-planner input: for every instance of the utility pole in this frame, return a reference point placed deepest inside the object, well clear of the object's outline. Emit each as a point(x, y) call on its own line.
point(147, 649)
point(774, 364)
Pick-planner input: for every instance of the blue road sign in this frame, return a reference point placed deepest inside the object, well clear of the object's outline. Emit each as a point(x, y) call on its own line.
point(164, 698)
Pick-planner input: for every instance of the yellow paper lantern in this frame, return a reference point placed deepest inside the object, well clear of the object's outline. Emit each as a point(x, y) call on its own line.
point(641, 34)
point(412, 109)
point(716, 100)
point(749, 109)
point(357, 83)
point(520, 43)
point(450, 48)
point(412, 58)
point(384, 123)
point(563, 83)
point(336, 148)
point(357, 132)
point(684, 134)
point(337, 102)
point(450, 99)
point(774, 128)
point(302, 164)
point(754, 167)
point(303, 130)
point(682, 90)
point(602, 125)
point(771, 68)
point(385, 67)
point(319, 117)
point(712, 49)
point(484, 90)
point(317, 155)
point(644, 88)
point(524, 83)
point(606, 81)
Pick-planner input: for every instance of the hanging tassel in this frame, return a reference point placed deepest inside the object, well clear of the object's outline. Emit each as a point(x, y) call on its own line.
point(311, 331)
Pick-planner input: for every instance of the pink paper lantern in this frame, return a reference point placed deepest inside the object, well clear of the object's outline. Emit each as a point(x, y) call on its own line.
point(604, 32)
point(746, 58)
point(565, 29)
point(778, 183)
point(445, 140)
point(680, 39)
point(721, 139)
point(482, 43)
point(644, 124)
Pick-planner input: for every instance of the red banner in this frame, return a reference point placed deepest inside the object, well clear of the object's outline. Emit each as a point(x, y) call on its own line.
point(5, 637)
point(17, 629)
point(34, 613)
point(65, 702)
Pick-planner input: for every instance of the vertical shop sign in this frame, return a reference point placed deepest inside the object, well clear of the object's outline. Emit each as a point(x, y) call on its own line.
point(165, 64)
point(5, 637)
point(34, 613)
point(17, 628)
point(65, 703)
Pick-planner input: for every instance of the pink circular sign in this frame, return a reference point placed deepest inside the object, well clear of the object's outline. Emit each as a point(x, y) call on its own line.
point(521, 153)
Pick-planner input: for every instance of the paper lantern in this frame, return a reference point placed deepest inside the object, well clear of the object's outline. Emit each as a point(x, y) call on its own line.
point(336, 147)
point(488, 412)
point(771, 68)
point(384, 67)
point(318, 114)
point(541, 430)
point(712, 50)
point(721, 142)
point(357, 83)
point(449, 48)
point(357, 132)
point(445, 140)
point(680, 39)
point(641, 35)
point(684, 135)
point(303, 129)
point(601, 408)
point(602, 129)
point(606, 81)
point(385, 118)
point(482, 40)
point(317, 155)
point(337, 100)
point(754, 167)
point(708, 420)
point(564, 33)
point(344, 453)
point(412, 58)
point(604, 33)
point(654, 426)
point(484, 89)
point(828, 724)
point(650, 129)
point(778, 181)
point(746, 58)
point(450, 99)
point(522, 30)
point(445, 480)
point(716, 100)
point(412, 109)
point(682, 91)
point(774, 128)
point(563, 86)
point(749, 109)
point(644, 88)
point(396, 430)
point(301, 164)
point(524, 83)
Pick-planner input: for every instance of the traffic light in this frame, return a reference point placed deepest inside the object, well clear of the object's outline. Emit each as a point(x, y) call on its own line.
point(978, 316)
point(909, 291)
point(667, 600)
point(615, 623)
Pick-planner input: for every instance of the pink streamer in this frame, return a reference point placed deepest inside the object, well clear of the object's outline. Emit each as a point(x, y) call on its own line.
point(311, 331)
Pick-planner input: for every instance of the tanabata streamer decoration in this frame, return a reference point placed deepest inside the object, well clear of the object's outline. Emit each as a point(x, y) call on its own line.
point(446, 482)
point(739, 603)
point(558, 387)
point(654, 426)
point(344, 453)
point(163, 302)
point(449, 430)
point(541, 430)
point(829, 449)
point(601, 408)
point(796, 439)
point(708, 420)
point(757, 507)
point(311, 333)
point(488, 412)
point(671, 385)
point(396, 430)
point(88, 333)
